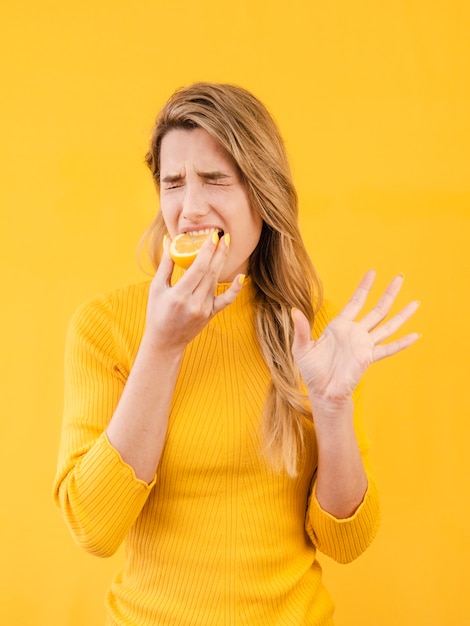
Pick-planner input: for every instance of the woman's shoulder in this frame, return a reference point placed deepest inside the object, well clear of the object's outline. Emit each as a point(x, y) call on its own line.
point(129, 294)
point(119, 303)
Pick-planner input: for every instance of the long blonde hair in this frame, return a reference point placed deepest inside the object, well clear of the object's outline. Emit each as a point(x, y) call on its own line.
point(281, 271)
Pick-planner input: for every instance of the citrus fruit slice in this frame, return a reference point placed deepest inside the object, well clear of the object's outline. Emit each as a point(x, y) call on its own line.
point(184, 248)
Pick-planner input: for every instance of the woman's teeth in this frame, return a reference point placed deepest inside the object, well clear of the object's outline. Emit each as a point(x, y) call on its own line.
point(205, 231)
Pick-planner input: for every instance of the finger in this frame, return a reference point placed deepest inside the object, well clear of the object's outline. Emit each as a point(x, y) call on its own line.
point(393, 324)
point(200, 266)
point(226, 298)
point(355, 304)
point(165, 267)
point(389, 349)
point(212, 274)
point(383, 306)
point(302, 333)
point(205, 271)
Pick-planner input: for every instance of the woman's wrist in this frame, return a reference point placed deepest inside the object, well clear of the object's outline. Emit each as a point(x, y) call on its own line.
point(161, 344)
point(331, 409)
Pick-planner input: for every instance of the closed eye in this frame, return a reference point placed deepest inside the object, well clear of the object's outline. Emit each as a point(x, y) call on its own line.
point(173, 182)
point(215, 178)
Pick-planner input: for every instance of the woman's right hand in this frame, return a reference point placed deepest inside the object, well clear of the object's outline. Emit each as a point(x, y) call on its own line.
point(176, 314)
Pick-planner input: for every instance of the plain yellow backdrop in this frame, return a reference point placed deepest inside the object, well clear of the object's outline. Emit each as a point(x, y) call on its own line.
point(373, 100)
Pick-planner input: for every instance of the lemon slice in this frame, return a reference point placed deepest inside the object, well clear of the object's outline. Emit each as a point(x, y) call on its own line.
point(184, 248)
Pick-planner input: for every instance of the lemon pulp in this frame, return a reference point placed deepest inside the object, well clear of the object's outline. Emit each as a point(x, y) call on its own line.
point(184, 248)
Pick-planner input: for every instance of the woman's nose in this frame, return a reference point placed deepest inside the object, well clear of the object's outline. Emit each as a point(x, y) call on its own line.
point(195, 205)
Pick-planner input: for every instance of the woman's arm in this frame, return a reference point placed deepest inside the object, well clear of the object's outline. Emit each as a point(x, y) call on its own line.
point(331, 368)
point(115, 424)
point(341, 476)
point(138, 427)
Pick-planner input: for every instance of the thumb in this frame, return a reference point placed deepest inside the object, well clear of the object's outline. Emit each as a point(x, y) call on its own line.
point(302, 335)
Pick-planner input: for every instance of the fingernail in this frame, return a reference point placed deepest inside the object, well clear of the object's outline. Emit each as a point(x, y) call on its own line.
point(401, 274)
point(241, 279)
point(292, 311)
point(165, 239)
point(215, 238)
point(227, 239)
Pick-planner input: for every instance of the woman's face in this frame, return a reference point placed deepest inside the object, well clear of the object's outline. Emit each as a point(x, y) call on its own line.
point(200, 189)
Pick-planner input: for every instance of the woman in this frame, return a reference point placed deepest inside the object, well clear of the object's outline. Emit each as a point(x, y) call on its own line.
point(202, 424)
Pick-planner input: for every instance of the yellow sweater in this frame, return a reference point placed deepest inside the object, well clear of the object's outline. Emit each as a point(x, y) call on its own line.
point(218, 538)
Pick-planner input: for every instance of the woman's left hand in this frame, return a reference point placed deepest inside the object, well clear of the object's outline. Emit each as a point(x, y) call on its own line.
point(332, 366)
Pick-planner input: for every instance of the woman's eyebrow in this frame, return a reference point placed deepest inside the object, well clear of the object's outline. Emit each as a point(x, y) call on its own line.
point(172, 178)
point(213, 175)
point(210, 175)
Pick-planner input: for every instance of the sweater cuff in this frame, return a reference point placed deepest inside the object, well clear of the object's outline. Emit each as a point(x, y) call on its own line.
point(102, 498)
point(125, 468)
point(345, 539)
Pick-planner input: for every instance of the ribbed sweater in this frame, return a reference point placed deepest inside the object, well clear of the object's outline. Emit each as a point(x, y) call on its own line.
point(219, 537)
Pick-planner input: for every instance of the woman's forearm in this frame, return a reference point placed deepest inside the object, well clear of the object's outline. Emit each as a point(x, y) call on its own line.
point(341, 478)
point(139, 424)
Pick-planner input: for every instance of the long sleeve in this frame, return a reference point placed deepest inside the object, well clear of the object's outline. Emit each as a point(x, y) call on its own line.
point(98, 494)
point(344, 539)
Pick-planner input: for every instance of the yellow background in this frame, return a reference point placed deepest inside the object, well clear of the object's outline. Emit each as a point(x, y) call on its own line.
point(373, 99)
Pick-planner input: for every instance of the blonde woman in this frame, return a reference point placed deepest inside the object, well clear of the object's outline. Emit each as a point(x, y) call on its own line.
point(209, 415)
